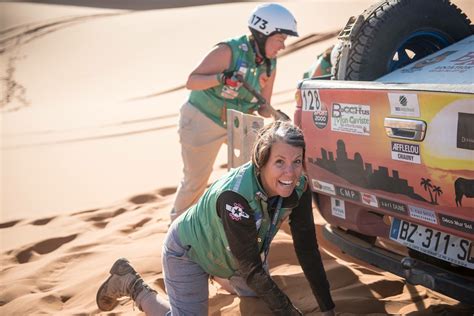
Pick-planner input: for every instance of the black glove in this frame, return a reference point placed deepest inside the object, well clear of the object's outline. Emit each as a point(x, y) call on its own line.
point(281, 116)
point(295, 312)
point(228, 78)
point(291, 310)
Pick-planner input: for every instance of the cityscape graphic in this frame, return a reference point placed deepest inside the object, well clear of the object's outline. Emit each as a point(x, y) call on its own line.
point(362, 174)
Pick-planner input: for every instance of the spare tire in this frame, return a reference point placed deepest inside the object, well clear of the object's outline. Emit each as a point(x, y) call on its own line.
point(394, 33)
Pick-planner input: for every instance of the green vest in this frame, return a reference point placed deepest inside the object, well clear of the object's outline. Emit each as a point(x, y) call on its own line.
point(201, 228)
point(215, 101)
point(322, 62)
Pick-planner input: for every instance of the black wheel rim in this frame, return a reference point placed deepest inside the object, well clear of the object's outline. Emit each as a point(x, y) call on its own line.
point(417, 46)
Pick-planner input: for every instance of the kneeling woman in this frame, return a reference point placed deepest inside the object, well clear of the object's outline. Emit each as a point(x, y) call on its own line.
point(228, 233)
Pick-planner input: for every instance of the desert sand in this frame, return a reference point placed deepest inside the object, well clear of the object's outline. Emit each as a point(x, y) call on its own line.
point(90, 158)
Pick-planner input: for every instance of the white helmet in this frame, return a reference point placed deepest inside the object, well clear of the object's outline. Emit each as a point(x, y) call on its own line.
point(270, 18)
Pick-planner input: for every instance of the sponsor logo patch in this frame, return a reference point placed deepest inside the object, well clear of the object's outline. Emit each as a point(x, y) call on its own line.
point(320, 117)
point(350, 118)
point(236, 212)
point(323, 187)
point(406, 152)
point(423, 214)
point(404, 104)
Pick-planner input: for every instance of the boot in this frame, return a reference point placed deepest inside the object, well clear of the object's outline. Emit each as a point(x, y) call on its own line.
point(123, 281)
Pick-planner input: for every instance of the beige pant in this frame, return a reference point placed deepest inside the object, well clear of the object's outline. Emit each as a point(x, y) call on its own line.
point(200, 139)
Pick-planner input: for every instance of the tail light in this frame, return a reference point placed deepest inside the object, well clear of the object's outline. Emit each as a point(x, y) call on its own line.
point(297, 116)
point(298, 98)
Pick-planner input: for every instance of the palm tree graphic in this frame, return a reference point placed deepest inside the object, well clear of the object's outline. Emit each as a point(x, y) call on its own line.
point(426, 183)
point(437, 191)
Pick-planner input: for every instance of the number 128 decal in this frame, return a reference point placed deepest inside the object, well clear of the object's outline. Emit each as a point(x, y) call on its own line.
point(310, 100)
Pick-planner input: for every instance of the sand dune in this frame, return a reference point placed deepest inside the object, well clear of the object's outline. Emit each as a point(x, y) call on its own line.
point(54, 265)
point(90, 154)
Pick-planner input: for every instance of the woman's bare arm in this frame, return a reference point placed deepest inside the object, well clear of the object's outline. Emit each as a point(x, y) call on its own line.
point(266, 92)
point(204, 76)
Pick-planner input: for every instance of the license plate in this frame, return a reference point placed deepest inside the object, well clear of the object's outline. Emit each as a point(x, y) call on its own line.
point(432, 242)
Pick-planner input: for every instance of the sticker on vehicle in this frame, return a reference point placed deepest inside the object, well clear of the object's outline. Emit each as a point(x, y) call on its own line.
point(460, 64)
point(404, 104)
point(350, 118)
point(392, 206)
point(311, 100)
point(406, 152)
point(457, 223)
point(465, 132)
point(323, 187)
point(365, 174)
point(369, 199)
point(422, 214)
point(453, 64)
point(320, 117)
point(338, 208)
point(348, 193)
point(427, 62)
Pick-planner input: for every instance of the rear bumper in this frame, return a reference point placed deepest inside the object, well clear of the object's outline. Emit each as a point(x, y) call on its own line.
point(414, 271)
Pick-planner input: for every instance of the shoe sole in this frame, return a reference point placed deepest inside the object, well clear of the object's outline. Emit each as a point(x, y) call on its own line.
point(114, 270)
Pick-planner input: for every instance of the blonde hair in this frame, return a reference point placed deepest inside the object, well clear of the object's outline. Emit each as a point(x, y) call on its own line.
point(283, 131)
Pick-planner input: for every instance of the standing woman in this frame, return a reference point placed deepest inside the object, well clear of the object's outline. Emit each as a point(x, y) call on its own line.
point(202, 123)
point(228, 233)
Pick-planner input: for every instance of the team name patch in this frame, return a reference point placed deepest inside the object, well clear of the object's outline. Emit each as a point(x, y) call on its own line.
point(236, 212)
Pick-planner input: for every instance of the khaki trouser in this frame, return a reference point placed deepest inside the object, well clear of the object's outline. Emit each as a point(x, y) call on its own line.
point(200, 139)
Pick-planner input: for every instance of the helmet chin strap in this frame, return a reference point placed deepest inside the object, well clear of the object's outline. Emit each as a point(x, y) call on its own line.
point(269, 66)
point(260, 54)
